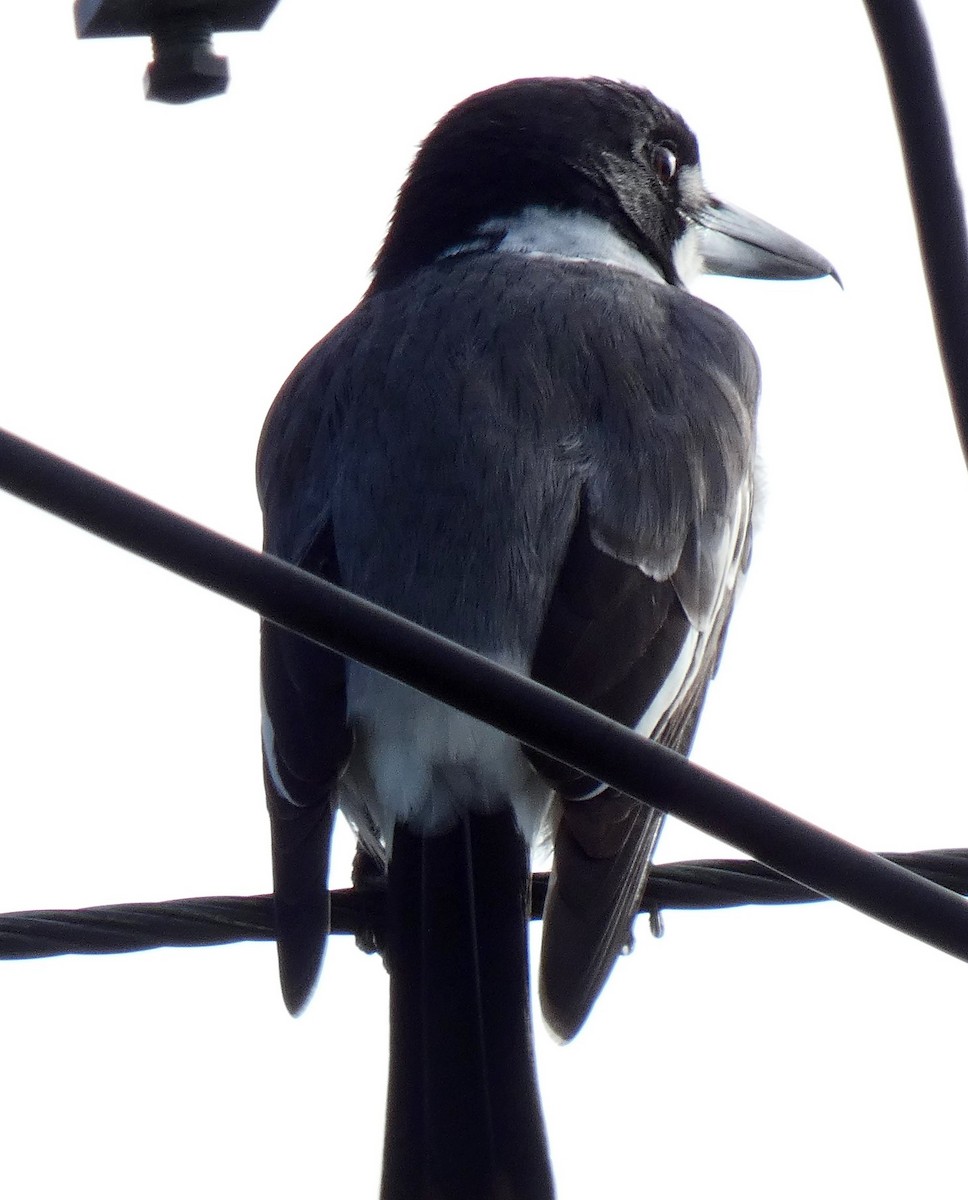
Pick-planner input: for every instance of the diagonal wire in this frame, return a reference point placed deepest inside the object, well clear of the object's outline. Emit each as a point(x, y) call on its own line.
point(222, 920)
point(518, 706)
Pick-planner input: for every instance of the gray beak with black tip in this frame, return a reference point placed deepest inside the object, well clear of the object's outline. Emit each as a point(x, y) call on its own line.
point(734, 242)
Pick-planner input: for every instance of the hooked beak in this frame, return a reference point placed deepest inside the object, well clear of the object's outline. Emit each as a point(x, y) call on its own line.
point(734, 242)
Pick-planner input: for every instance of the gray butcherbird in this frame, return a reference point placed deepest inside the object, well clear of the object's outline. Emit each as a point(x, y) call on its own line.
point(532, 439)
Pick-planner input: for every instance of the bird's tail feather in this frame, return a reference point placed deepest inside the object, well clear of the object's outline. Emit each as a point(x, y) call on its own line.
point(593, 897)
point(464, 1117)
point(300, 866)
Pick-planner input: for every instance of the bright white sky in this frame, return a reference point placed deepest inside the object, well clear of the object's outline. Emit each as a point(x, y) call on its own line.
point(164, 269)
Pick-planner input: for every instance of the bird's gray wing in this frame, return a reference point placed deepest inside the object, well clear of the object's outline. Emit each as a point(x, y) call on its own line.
point(636, 621)
point(305, 739)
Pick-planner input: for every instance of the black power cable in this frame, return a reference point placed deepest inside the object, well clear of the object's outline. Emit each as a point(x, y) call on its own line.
point(221, 920)
point(936, 197)
point(520, 707)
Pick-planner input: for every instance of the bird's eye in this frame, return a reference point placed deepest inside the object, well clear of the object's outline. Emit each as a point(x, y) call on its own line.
point(664, 162)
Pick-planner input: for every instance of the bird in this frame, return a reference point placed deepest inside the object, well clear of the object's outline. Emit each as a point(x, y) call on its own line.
point(531, 438)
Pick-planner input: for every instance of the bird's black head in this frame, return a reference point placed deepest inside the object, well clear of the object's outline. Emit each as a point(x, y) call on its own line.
point(590, 146)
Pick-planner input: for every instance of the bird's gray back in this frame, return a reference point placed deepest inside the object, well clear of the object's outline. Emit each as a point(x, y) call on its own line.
point(450, 429)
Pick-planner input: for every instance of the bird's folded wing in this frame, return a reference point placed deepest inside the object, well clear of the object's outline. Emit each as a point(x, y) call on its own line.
point(636, 622)
point(305, 739)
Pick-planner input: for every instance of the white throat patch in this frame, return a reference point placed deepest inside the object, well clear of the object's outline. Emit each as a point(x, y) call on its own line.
point(687, 255)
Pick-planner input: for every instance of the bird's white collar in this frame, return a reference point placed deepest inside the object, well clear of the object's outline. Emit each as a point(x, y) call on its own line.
point(570, 235)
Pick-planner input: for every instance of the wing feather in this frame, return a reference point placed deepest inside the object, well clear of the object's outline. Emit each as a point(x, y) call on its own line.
point(305, 739)
point(635, 628)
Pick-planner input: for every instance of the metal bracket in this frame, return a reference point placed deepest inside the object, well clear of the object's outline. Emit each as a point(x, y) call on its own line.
point(185, 66)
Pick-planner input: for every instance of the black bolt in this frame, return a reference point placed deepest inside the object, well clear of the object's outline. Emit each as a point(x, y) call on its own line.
point(185, 66)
